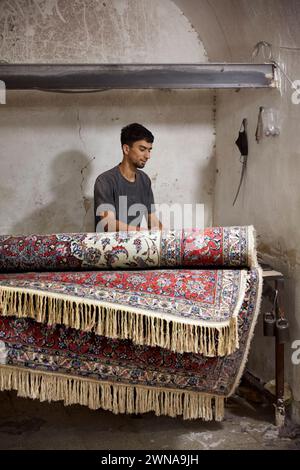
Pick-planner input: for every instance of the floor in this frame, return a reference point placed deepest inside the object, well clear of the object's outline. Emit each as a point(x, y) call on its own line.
point(29, 424)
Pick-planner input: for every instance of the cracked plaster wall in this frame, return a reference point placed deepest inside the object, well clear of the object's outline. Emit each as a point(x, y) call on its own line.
point(270, 195)
point(54, 145)
point(269, 199)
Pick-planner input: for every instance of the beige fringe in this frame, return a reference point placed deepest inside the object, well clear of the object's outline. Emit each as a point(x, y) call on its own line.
point(252, 261)
point(121, 323)
point(47, 386)
point(258, 301)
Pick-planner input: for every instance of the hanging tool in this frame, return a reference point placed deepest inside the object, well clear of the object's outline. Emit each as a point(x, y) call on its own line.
point(242, 143)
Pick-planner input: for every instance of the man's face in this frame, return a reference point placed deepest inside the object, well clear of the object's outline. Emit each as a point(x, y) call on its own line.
point(138, 153)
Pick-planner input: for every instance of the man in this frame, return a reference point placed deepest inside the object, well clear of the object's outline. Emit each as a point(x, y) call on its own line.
point(123, 195)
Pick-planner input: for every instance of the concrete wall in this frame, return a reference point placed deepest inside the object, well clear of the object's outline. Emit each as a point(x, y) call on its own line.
point(54, 145)
point(270, 195)
point(269, 199)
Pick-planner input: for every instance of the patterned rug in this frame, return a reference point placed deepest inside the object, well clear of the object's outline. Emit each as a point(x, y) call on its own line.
point(99, 321)
point(216, 246)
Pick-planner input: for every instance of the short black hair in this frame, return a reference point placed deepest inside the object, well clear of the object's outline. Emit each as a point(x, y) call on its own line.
point(134, 132)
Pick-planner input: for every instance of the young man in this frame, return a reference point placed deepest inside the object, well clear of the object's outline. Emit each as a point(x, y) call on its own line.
point(123, 195)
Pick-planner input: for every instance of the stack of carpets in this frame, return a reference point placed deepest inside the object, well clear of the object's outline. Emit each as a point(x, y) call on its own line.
point(130, 321)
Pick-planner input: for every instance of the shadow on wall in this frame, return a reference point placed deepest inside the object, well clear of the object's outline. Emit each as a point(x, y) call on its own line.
point(62, 205)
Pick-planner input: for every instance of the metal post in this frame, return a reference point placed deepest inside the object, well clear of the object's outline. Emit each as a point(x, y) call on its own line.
point(279, 361)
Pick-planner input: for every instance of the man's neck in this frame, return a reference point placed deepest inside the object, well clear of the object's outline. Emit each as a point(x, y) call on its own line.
point(128, 171)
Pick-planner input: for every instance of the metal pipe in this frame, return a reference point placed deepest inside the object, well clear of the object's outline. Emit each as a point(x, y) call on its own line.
point(279, 360)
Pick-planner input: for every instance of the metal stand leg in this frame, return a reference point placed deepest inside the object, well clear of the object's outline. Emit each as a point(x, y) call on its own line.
point(279, 363)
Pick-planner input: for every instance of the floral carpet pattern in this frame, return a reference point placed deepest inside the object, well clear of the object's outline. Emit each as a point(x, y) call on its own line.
point(130, 322)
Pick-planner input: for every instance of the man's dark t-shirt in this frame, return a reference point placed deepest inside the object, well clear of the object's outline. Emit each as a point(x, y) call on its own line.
point(111, 184)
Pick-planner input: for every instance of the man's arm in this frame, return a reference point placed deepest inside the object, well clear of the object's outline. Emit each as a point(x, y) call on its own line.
point(105, 209)
point(109, 223)
point(154, 222)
